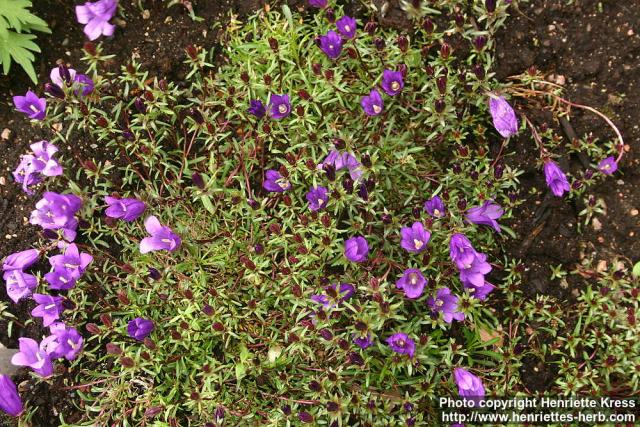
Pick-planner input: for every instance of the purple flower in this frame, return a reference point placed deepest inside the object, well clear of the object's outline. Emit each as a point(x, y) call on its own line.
point(331, 44)
point(435, 207)
point(49, 308)
point(347, 26)
point(343, 293)
point(317, 198)
point(608, 166)
point(461, 250)
point(64, 341)
point(60, 278)
point(372, 104)
point(74, 262)
point(474, 273)
point(468, 384)
point(479, 292)
point(43, 161)
point(140, 328)
point(58, 79)
point(10, 401)
point(256, 108)
point(83, 85)
point(401, 343)
point(415, 238)
point(162, 237)
point(356, 249)
point(556, 179)
point(504, 118)
point(96, 16)
point(125, 209)
point(412, 282)
point(447, 303)
point(20, 260)
point(364, 341)
point(29, 104)
point(19, 284)
point(392, 82)
point(343, 160)
point(320, 4)
point(25, 173)
point(275, 182)
point(279, 106)
point(56, 211)
point(487, 214)
point(33, 355)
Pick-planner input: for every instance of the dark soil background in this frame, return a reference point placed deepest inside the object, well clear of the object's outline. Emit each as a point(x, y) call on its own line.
point(596, 51)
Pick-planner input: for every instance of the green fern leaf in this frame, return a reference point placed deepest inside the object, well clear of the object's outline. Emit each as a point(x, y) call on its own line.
point(20, 48)
point(15, 14)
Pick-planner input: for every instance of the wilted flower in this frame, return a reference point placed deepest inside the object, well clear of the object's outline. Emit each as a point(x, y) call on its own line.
point(49, 308)
point(469, 385)
point(356, 249)
point(364, 341)
point(317, 198)
point(64, 341)
point(556, 179)
point(392, 82)
point(331, 44)
point(372, 104)
point(10, 401)
point(256, 108)
point(447, 303)
point(344, 292)
point(20, 260)
point(412, 282)
point(19, 284)
point(162, 237)
point(96, 16)
point(435, 207)
point(487, 214)
point(33, 356)
point(29, 104)
point(140, 328)
point(275, 182)
point(125, 209)
point(504, 118)
point(415, 238)
point(279, 106)
point(608, 166)
point(347, 26)
point(401, 343)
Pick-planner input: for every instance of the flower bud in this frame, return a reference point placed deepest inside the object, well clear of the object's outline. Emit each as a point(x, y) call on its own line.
point(370, 27)
point(490, 5)
point(403, 43)
point(140, 105)
point(317, 69)
point(54, 90)
point(347, 184)
point(90, 48)
point(273, 44)
point(428, 26)
point(379, 43)
point(441, 82)
point(196, 178)
point(192, 51)
point(440, 105)
point(480, 42)
point(445, 50)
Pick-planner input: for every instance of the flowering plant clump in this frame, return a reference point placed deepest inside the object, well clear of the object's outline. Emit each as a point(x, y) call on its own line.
point(286, 240)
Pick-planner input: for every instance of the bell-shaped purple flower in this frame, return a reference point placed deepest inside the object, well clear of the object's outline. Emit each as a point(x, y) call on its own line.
point(504, 118)
point(415, 238)
point(275, 182)
point(461, 250)
point(435, 207)
point(412, 282)
point(340, 160)
point(468, 384)
point(478, 291)
point(447, 303)
point(342, 292)
point(608, 166)
point(60, 278)
point(162, 237)
point(67, 268)
point(56, 211)
point(26, 174)
point(487, 214)
point(96, 16)
point(402, 344)
point(331, 44)
point(317, 198)
point(58, 79)
point(474, 273)
point(64, 341)
point(279, 106)
point(43, 161)
point(347, 26)
point(32, 355)
point(20, 260)
point(10, 401)
point(256, 108)
point(363, 341)
point(82, 85)
point(125, 209)
point(372, 104)
point(35, 108)
point(556, 179)
point(392, 82)
point(19, 284)
point(356, 249)
point(49, 308)
point(140, 328)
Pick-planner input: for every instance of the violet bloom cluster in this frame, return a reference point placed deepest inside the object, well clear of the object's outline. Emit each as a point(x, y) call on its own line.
point(356, 249)
point(504, 118)
point(447, 304)
point(36, 165)
point(96, 16)
point(435, 207)
point(63, 77)
point(556, 179)
point(317, 198)
point(64, 342)
point(57, 212)
point(161, 237)
point(486, 214)
point(414, 239)
point(469, 385)
point(402, 344)
point(274, 182)
point(35, 108)
point(19, 284)
point(472, 265)
point(10, 401)
point(334, 295)
point(343, 160)
point(124, 209)
point(412, 283)
point(67, 268)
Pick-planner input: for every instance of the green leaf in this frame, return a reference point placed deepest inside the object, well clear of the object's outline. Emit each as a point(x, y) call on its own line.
point(19, 48)
point(636, 270)
point(15, 15)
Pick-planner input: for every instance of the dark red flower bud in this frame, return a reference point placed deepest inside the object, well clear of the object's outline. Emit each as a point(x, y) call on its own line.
point(113, 348)
point(331, 15)
point(140, 105)
point(54, 90)
point(386, 218)
point(370, 27)
point(428, 26)
point(330, 171)
point(196, 115)
point(459, 19)
point(192, 51)
point(90, 48)
point(445, 50)
point(478, 70)
point(196, 178)
point(106, 320)
point(92, 328)
point(304, 94)
point(379, 43)
point(153, 411)
point(305, 417)
point(328, 74)
point(162, 84)
point(440, 105)
point(363, 192)
point(352, 53)
point(267, 79)
point(480, 42)
point(490, 5)
point(403, 43)
point(273, 44)
point(102, 122)
point(441, 82)
point(127, 362)
point(317, 69)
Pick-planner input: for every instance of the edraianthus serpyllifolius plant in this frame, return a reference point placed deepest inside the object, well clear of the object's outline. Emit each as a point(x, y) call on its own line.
point(232, 291)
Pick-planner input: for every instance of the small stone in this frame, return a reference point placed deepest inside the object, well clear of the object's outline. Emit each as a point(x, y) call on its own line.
point(634, 212)
point(597, 225)
point(630, 32)
point(120, 22)
point(6, 134)
point(602, 266)
point(57, 127)
point(3, 180)
point(146, 14)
